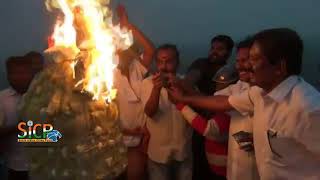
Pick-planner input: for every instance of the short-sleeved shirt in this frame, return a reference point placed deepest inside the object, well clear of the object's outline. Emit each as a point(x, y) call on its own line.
point(241, 164)
point(286, 128)
point(15, 153)
point(207, 70)
point(170, 134)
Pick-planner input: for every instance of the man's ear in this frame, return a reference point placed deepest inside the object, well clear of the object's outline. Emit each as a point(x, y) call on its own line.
point(281, 68)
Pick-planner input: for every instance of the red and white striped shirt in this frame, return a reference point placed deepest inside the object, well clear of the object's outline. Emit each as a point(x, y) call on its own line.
point(215, 131)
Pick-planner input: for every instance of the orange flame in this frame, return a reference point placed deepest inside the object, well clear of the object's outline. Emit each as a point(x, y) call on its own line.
point(88, 24)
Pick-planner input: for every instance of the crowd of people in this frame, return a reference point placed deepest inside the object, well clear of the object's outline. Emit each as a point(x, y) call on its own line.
point(257, 119)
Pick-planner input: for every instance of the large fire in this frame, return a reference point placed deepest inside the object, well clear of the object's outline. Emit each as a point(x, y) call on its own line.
point(87, 25)
point(81, 58)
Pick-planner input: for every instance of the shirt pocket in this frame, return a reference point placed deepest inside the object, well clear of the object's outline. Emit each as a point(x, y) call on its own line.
point(284, 148)
point(274, 143)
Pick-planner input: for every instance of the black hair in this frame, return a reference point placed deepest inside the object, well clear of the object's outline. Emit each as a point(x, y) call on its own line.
point(227, 40)
point(166, 47)
point(34, 54)
point(246, 43)
point(15, 61)
point(282, 44)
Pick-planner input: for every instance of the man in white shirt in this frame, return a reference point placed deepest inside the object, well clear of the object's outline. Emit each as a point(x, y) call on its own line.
point(19, 74)
point(169, 147)
point(285, 109)
point(241, 163)
point(128, 78)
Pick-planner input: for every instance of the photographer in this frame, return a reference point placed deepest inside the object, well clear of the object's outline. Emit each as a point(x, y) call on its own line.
point(169, 148)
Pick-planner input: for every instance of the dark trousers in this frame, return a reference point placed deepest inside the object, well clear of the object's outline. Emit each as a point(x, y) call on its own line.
point(201, 168)
point(18, 175)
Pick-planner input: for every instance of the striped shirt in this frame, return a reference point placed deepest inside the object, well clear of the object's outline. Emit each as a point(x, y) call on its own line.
point(215, 130)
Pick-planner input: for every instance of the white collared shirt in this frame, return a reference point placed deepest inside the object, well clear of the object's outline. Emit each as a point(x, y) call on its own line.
point(128, 95)
point(15, 152)
point(240, 164)
point(286, 128)
point(170, 134)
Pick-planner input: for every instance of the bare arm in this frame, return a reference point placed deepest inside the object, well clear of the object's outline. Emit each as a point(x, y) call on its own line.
point(189, 89)
point(211, 103)
point(184, 85)
point(152, 104)
point(148, 47)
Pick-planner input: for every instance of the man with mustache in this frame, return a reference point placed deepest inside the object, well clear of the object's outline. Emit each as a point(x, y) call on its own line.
point(241, 160)
point(200, 75)
point(169, 149)
point(285, 109)
point(202, 70)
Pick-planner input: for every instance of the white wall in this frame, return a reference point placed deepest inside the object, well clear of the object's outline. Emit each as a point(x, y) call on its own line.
point(190, 24)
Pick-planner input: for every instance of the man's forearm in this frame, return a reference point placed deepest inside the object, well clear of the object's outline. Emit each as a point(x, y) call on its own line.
point(152, 104)
point(148, 47)
point(211, 103)
point(188, 88)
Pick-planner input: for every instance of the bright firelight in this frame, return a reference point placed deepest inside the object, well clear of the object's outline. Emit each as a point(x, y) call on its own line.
point(87, 24)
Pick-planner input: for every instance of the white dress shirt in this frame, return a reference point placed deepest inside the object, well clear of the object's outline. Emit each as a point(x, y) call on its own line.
point(170, 134)
point(286, 128)
point(131, 110)
point(15, 154)
point(240, 164)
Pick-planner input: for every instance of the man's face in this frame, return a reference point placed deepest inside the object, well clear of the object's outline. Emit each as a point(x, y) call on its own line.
point(218, 52)
point(167, 61)
point(19, 78)
point(243, 64)
point(263, 73)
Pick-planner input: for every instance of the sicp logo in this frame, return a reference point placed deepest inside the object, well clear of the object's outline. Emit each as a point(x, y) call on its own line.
point(30, 132)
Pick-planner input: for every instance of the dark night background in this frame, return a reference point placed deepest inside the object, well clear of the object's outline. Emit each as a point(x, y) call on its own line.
point(25, 25)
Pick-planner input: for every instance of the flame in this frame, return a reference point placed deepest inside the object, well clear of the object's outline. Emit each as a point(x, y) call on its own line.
point(64, 33)
point(87, 24)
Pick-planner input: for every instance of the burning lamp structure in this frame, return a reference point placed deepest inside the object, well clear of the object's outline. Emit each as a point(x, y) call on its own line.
point(75, 93)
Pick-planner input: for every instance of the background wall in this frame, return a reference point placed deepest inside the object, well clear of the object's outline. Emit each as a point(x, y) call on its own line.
point(190, 24)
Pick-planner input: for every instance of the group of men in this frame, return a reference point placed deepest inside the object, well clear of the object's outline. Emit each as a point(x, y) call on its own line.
point(264, 125)
point(282, 107)
point(260, 120)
